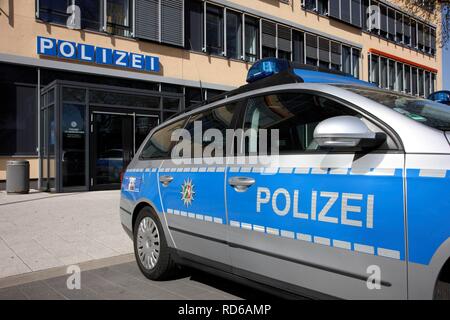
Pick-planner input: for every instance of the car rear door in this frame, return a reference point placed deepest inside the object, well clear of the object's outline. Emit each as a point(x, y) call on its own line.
point(329, 222)
point(192, 188)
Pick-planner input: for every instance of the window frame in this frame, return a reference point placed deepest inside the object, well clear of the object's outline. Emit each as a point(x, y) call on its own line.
point(395, 138)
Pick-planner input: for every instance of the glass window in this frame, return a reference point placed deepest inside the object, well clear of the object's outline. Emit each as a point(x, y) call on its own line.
point(193, 96)
point(406, 30)
point(399, 27)
point(101, 97)
point(346, 60)
point(427, 112)
point(336, 56)
point(399, 78)
point(427, 83)
point(54, 10)
point(426, 39)
point(375, 69)
point(298, 46)
point(392, 77)
point(160, 143)
point(433, 83)
point(251, 39)
point(324, 53)
point(310, 4)
point(218, 119)
point(90, 13)
point(356, 12)
point(269, 39)
point(311, 49)
point(284, 42)
point(391, 25)
point(421, 83)
point(413, 34)
point(383, 21)
point(433, 41)
point(194, 25)
point(365, 14)
point(234, 35)
point(407, 79)
point(420, 36)
point(345, 10)
point(355, 62)
point(295, 115)
point(214, 30)
point(414, 81)
point(322, 6)
point(383, 73)
point(118, 17)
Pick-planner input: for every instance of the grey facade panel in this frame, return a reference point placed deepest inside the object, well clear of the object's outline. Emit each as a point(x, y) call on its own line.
point(147, 19)
point(172, 22)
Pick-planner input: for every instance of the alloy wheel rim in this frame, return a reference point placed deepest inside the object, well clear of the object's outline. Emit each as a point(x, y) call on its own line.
point(148, 243)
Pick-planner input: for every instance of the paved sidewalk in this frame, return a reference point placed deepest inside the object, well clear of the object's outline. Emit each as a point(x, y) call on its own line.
point(39, 231)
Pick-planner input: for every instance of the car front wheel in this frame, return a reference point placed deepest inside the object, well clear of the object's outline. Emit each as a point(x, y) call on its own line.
point(150, 246)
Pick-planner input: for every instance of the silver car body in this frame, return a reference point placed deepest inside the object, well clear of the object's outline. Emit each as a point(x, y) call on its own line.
point(405, 240)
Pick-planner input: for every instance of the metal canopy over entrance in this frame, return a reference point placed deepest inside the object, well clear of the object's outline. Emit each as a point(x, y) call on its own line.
point(90, 133)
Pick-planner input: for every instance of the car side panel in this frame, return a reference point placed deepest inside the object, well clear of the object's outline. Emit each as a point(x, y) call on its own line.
point(428, 194)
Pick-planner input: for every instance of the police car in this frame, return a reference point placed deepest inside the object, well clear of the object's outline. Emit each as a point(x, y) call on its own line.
point(354, 204)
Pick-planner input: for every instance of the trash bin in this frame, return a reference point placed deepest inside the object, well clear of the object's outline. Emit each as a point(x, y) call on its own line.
point(18, 176)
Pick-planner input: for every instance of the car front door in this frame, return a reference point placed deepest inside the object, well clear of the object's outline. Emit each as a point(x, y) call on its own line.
point(192, 188)
point(329, 222)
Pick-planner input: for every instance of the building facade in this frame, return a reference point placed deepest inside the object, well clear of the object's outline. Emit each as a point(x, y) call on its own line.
point(84, 81)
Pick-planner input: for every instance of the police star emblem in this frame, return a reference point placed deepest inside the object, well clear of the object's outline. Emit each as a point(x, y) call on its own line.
point(187, 192)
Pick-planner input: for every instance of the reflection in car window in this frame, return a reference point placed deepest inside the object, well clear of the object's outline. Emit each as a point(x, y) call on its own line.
point(430, 113)
point(159, 145)
point(295, 115)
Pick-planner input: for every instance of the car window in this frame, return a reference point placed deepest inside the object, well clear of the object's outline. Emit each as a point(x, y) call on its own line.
point(441, 96)
point(219, 120)
point(294, 114)
point(160, 143)
point(427, 112)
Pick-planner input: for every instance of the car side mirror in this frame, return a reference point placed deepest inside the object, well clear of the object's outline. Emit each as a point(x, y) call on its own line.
point(346, 132)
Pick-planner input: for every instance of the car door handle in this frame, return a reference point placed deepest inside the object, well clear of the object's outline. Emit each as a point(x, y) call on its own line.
point(165, 180)
point(241, 184)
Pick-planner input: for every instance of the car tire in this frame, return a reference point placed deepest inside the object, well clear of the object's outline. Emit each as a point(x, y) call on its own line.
point(150, 246)
point(442, 291)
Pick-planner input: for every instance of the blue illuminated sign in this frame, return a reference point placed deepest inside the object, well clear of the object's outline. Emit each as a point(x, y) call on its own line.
point(88, 53)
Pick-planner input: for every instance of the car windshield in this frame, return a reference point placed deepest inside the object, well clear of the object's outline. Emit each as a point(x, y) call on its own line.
point(430, 113)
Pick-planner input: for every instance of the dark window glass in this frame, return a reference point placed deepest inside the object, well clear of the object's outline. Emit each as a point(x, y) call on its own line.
point(118, 17)
point(322, 6)
point(284, 42)
point(213, 93)
point(298, 46)
point(295, 115)
point(193, 96)
point(356, 13)
point(194, 25)
point(165, 87)
point(160, 143)
point(365, 14)
point(324, 53)
point(334, 9)
point(427, 84)
point(407, 79)
point(421, 83)
point(123, 99)
point(234, 35)
point(413, 34)
point(407, 30)
point(414, 81)
point(172, 104)
point(269, 39)
point(346, 60)
point(383, 21)
point(214, 30)
point(355, 62)
point(143, 125)
point(310, 4)
point(433, 41)
point(375, 69)
point(399, 78)
point(90, 13)
point(399, 27)
point(311, 49)
point(426, 37)
point(383, 73)
point(218, 118)
point(391, 24)
point(429, 113)
point(54, 10)
point(420, 38)
point(336, 56)
point(391, 74)
point(345, 10)
point(251, 39)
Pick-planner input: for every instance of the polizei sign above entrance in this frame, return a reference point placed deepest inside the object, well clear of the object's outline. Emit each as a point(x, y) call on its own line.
point(98, 55)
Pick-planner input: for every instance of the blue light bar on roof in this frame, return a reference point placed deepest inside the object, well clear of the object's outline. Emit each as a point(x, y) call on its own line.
point(265, 68)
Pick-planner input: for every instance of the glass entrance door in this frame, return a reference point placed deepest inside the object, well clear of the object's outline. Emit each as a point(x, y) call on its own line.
point(115, 139)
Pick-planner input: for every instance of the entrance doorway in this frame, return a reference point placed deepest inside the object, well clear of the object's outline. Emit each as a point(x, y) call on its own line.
point(114, 140)
point(90, 133)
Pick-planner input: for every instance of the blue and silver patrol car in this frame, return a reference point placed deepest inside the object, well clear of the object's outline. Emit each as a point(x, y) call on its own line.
point(354, 205)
